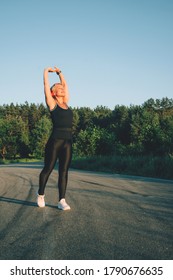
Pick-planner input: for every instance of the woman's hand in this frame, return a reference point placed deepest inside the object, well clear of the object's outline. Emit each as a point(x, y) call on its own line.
point(57, 70)
point(49, 69)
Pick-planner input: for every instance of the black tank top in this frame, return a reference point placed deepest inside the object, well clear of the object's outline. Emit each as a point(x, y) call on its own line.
point(62, 123)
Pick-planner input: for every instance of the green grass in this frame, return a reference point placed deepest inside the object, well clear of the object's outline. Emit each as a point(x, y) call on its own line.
point(147, 166)
point(22, 160)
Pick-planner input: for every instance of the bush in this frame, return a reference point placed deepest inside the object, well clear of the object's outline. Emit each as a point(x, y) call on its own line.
point(158, 167)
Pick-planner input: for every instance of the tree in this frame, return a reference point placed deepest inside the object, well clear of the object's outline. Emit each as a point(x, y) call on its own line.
point(102, 117)
point(85, 118)
point(40, 136)
point(13, 135)
point(121, 124)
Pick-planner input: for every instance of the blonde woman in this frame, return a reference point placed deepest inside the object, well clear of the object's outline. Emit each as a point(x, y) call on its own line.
point(59, 145)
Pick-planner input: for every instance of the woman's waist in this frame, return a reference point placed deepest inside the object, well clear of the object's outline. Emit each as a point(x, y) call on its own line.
point(62, 133)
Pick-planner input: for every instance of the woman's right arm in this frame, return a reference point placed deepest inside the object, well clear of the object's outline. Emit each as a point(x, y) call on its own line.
point(49, 99)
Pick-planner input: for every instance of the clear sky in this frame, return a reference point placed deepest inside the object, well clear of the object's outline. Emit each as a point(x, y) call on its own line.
point(110, 51)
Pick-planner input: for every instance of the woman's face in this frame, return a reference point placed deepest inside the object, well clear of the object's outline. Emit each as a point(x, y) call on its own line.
point(58, 90)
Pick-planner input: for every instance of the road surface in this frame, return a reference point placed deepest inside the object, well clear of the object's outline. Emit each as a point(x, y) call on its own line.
point(112, 217)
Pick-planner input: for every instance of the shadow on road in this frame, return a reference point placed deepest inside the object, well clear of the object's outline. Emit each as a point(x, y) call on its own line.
point(22, 202)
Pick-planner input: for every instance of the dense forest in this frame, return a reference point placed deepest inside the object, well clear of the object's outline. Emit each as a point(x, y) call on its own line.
point(145, 130)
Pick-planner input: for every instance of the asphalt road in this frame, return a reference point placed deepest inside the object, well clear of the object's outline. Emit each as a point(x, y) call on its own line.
point(112, 217)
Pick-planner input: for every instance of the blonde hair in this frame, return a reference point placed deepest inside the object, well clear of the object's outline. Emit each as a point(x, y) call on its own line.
point(53, 92)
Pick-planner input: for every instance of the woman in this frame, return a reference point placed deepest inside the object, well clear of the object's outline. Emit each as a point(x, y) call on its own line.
point(59, 145)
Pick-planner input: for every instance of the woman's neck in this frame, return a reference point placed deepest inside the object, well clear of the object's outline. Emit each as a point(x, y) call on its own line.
point(60, 100)
point(61, 103)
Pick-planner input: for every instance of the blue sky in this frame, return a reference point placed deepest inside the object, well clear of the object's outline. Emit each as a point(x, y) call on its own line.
point(111, 52)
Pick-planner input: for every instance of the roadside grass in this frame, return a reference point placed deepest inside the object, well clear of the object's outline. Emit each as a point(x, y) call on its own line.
point(146, 166)
point(18, 160)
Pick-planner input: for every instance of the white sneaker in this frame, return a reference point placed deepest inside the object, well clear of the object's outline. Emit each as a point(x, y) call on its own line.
point(40, 200)
point(62, 205)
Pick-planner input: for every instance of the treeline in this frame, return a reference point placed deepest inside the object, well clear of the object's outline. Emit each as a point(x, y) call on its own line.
point(135, 130)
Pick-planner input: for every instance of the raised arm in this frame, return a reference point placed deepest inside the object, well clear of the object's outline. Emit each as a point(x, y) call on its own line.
point(49, 99)
point(63, 82)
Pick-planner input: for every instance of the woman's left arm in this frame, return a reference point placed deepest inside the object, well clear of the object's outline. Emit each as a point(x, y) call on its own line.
point(62, 80)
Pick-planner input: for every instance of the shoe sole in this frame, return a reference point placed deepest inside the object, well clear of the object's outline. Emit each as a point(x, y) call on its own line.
point(40, 206)
point(63, 209)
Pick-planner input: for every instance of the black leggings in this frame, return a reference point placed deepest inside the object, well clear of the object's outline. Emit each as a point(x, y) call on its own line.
point(56, 148)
